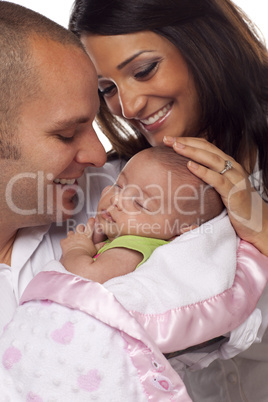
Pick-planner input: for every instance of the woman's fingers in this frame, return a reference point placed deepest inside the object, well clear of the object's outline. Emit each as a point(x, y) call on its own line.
point(201, 151)
point(233, 192)
point(244, 205)
point(204, 153)
point(194, 142)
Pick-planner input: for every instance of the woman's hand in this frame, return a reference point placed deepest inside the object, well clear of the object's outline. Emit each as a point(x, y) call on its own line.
point(247, 211)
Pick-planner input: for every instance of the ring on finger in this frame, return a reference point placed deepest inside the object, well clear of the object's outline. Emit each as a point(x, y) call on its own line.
point(228, 166)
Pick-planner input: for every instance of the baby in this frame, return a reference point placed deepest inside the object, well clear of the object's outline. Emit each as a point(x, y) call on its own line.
point(154, 199)
point(75, 340)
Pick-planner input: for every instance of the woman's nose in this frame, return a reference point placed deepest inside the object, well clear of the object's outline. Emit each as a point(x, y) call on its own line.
point(132, 103)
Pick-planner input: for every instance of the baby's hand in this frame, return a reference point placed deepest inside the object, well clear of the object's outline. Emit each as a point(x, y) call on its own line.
point(98, 235)
point(80, 240)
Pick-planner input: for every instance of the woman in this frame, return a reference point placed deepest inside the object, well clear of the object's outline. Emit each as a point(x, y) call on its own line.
point(191, 73)
point(204, 70)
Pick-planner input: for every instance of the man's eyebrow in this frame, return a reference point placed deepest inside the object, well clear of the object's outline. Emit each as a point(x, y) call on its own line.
point(64, 124)
point(130, 59)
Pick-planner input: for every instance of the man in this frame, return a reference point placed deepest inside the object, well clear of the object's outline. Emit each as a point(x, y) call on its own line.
point(48, 100)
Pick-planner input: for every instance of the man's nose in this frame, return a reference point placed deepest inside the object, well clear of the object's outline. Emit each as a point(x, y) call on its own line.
point(91, 151)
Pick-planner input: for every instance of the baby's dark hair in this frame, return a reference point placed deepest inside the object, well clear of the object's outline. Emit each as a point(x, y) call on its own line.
point(195, 194)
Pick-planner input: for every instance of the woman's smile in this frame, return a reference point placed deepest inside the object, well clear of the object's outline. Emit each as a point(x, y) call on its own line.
point(147, 83)
point(154, 121)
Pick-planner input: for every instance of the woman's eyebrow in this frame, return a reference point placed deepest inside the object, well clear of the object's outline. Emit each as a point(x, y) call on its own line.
point(124, 63)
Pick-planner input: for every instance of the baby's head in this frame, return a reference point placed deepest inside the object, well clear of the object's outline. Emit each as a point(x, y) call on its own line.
point(156, 195)
point(192, 197)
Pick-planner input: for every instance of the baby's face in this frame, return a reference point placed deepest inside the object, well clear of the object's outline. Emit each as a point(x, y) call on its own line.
point(141, 202)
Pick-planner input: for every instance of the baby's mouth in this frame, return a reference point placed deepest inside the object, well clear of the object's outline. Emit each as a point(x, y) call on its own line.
point(106, 215)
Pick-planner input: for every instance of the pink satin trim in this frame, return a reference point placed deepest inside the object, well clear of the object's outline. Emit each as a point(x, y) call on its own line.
point(194, 324)
point(160, 382)
point(182, 327)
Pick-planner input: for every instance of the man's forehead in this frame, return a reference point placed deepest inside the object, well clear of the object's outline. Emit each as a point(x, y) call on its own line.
point(55, 55)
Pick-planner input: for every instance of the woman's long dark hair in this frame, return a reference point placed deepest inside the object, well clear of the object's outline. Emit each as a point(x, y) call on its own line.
point(228, 61)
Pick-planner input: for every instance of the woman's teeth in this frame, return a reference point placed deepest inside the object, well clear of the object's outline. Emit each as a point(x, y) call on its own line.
point(64, 181)
point(157, 116)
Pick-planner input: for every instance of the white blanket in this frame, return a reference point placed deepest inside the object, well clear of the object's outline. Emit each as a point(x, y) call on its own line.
point(195, 266)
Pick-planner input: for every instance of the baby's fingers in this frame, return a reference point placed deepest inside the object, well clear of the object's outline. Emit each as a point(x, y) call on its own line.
point(86, 230)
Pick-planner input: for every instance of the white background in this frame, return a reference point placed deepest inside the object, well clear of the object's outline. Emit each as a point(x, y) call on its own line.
point(59, 11)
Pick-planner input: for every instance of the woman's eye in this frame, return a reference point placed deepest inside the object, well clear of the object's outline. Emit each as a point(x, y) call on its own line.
point(147, 71)
point(108, 91)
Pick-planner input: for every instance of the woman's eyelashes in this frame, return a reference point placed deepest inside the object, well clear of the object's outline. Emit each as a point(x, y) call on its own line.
point(141, 73)
point(108, 91)
point(147, 71)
